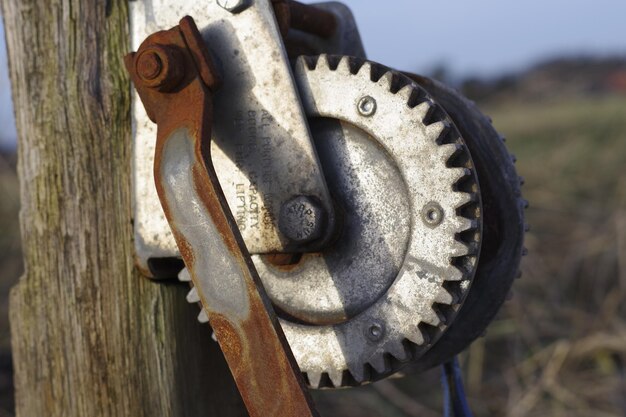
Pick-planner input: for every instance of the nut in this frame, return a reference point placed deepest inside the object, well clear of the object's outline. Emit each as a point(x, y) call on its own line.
point(302, 219)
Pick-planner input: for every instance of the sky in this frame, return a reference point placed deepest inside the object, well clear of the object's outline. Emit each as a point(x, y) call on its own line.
point(469, 37)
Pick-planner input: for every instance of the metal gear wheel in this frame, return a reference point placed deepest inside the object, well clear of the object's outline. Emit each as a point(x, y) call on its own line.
point(409, 235)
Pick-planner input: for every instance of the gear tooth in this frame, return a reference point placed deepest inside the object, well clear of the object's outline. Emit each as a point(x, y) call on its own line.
point(458, 249)
point(203, 317)
point(366, 70)
point(444, 297)
point(435, 130)
point(322, 61)
point(522, 181)
point(314, 378)
point(459, 173)
point(423, 108)
point(184, 275)
point(399, 351)
point(192, 296)
point(462, 199)
point(386, 81)
point(526, 227)
point(524, 203)
point(336, 377)
point(358, 372)
point(448, 150)
point(432, 318)
point(524, 251)
point(463, 224)
point(344, 66)
point(406, 93)
point(416, 336)
point(379, 363)
point(454, 274)
point(213, 336)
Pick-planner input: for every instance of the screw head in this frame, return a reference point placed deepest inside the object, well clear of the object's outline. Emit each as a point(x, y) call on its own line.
point(233, 6)
point(302, 219)
point(432, 214)
point(366, 106)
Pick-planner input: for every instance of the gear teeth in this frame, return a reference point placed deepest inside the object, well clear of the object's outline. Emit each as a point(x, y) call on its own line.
point(435, 130)
point(407, 93)
point(416, 336)
point(454, 274)
point(386, 81)
point(344, 66)
point(366, 70)
point(322, 61)
point(399, 351)
point(314, 378)
point(432, 318)
point(192, 296)
point(423, 109)
point(379, 363)
point(358, 372)
point(463, 199)
point(459, 173)
point(203, 317)
point(444, 297)
point(336, 377)
point(449, 150)
point(463, 224)
point(459, 249)
point(184, 275)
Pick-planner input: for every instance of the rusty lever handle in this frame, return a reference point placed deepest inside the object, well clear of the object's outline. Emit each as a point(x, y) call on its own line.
point(174, 76)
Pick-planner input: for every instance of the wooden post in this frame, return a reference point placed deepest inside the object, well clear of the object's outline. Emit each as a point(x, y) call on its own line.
point(90, 336)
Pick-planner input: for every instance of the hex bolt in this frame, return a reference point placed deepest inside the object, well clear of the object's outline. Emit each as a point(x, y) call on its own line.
point(302, 219)
point(149, 65)
point(432, 214)
point(375, 332)
point(233, 6)
point(160, 67)
point(366, 106)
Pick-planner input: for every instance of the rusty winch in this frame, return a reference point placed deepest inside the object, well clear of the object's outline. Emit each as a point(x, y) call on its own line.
point(339, 221)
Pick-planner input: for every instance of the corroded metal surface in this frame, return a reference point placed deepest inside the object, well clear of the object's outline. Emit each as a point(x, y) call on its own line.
point(224, 278)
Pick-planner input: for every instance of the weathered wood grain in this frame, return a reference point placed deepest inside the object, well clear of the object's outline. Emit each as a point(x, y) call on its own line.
point(90, 336)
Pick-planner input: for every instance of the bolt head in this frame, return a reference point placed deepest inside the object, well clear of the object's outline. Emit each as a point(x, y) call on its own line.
point(233, 6)
point(302, 219)
point(149, 65)
point(366, 106)
point(160, 67)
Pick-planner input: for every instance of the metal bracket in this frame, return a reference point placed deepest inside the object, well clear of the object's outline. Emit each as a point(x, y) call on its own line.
point(257, 115)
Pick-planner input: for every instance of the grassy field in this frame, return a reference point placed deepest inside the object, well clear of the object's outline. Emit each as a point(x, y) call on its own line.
point(558, 347)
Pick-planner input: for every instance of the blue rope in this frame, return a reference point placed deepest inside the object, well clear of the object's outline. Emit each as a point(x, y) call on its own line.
point(454, 400)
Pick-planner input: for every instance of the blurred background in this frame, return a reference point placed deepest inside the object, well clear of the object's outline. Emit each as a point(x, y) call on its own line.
point(552, 75)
